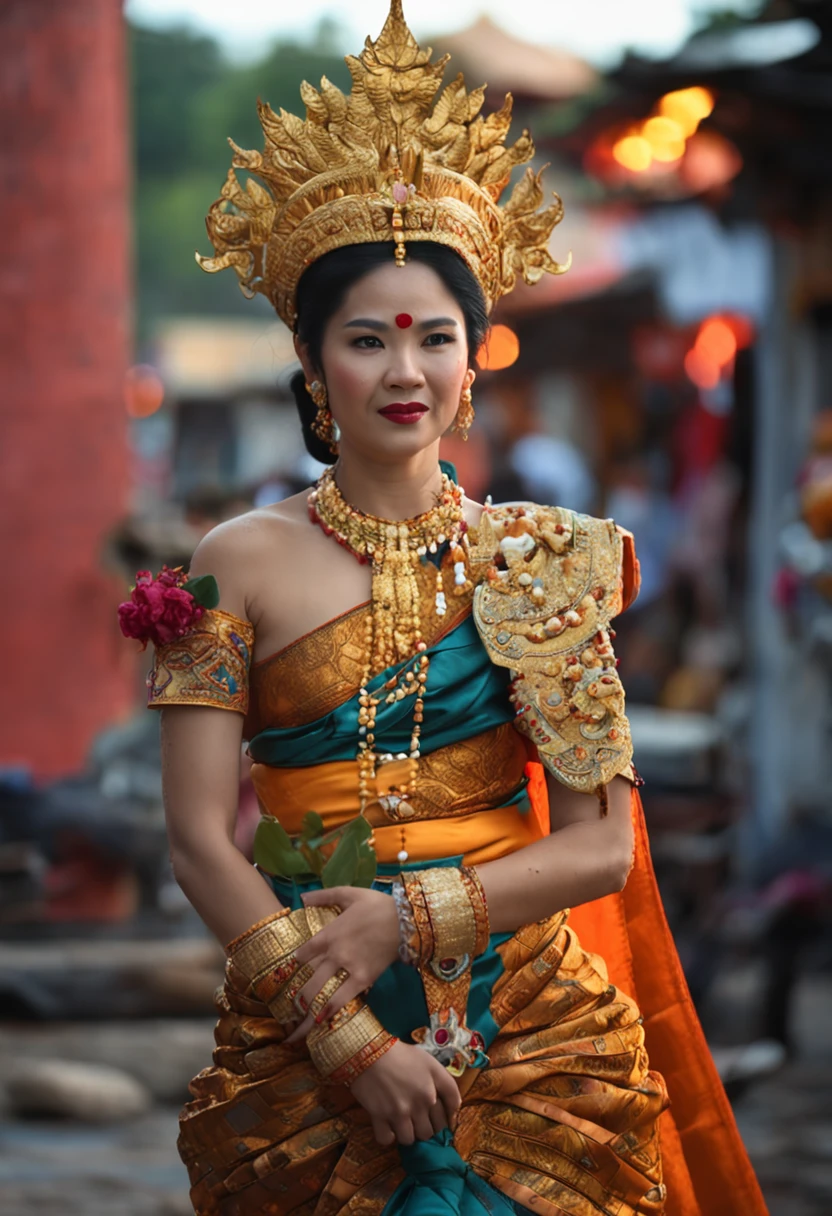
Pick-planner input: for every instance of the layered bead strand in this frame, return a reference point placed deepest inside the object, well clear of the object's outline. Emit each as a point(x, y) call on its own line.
point(394, 624)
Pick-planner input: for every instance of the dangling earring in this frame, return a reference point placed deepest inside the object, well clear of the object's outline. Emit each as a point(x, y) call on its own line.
point(464, 415)
point(323, 424)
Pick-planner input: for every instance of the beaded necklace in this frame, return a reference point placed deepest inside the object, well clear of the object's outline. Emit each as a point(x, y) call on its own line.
point(394, 551)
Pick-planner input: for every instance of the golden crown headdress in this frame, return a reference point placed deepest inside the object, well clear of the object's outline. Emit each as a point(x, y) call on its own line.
point(384, 164)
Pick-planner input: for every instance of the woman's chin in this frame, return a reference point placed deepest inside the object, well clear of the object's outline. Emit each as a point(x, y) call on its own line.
point(396, 440)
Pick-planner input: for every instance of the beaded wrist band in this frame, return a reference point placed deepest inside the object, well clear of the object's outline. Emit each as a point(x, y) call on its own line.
point(409, 943)
point(348, 1043)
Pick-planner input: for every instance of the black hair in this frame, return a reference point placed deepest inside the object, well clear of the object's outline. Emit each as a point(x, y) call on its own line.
point(322, 289)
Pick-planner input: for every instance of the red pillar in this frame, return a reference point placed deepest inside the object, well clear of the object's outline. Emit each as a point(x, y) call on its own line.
point(64, 343)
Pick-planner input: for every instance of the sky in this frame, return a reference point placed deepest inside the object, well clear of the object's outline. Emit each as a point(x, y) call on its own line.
point(598, 30)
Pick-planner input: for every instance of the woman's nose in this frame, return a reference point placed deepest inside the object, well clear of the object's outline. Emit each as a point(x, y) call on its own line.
point(405, 370)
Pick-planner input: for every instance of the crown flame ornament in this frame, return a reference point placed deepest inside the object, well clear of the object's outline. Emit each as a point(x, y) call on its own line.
point(391, 162)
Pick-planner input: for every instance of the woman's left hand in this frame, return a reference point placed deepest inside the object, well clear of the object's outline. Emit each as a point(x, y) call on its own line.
point(363, 940)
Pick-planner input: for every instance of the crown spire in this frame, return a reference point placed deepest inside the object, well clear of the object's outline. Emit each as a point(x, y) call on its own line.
point(336, 177)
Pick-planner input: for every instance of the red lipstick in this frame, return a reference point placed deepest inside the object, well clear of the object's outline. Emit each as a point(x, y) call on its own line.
point(404, 413)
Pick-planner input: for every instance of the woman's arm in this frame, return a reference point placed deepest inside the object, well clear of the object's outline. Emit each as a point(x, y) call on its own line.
point(201, 770)
point(585, 856)
point(201, 776)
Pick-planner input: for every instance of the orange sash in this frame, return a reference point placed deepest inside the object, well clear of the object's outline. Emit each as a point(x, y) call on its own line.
point(706, 1168)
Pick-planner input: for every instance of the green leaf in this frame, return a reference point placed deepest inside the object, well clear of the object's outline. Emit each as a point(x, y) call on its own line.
point(342, 866)
point(312, 826)
point(275, 852)
point(314, 857)
point(365, 875)
point(205, 590)
point(358, 829)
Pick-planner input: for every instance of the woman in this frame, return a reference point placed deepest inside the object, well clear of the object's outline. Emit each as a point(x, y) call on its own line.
point(408, 1017)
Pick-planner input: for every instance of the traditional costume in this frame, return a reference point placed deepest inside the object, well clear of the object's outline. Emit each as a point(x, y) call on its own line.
point(403, 743)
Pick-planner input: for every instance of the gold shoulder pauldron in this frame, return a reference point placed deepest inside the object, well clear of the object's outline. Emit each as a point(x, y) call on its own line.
point(543, 609)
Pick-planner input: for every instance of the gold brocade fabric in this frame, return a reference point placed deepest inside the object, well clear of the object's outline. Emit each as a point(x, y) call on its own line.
point(454, 781)
point(319, 671)
point(562, 1121)
point(208, 666)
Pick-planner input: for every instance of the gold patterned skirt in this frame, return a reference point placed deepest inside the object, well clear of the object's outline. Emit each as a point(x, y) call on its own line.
point(562, 1120)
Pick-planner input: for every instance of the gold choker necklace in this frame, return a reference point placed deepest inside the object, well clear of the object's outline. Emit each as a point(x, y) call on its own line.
point(394, 551)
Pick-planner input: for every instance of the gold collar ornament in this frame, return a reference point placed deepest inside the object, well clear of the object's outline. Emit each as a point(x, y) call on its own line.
point(390, 162)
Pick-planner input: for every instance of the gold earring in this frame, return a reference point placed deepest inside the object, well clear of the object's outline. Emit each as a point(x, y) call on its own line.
point(464, 415)
point(323, 424)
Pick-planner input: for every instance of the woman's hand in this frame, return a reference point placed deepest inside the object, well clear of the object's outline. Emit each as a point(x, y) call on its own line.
point(408, 1095)
point(364, 940)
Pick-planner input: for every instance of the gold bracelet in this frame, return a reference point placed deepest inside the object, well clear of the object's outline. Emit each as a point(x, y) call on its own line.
point(265, 956)
point(362, 1060)
point(270, 944)
point(452, 920)
point(261, 924)
point(479, 903)
point(344, 1037)
point(320, 1002)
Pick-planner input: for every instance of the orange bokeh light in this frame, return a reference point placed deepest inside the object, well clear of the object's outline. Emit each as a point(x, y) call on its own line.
point(500, 349)
point(687, 107)
point(665, 137)
point(716, 341)
point(144, 391)
point(703, 371)
point(633, 152)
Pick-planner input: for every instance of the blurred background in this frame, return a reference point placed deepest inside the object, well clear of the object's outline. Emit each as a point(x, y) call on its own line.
point(679, 379)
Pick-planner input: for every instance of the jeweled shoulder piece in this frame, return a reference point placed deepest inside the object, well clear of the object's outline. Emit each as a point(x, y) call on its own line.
point(390, 162)
point(209, 665)
point(543, 609)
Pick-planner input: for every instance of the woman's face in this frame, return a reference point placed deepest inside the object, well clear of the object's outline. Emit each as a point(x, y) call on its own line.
point(395, 361)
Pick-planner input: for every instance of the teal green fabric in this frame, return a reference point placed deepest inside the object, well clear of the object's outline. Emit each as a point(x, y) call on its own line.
point(465, 694)
point(440, 1183)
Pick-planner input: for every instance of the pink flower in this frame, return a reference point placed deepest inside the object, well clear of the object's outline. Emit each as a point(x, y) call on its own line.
point(159, 610)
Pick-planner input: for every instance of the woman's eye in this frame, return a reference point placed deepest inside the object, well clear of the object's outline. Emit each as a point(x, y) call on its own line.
point(368, 342)
point(438, 339)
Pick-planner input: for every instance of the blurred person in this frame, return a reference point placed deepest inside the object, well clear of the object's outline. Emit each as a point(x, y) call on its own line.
point(437, 732)
point(553, 470)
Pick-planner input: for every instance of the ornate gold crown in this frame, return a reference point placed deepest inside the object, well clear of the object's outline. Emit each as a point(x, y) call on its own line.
point(384, 164)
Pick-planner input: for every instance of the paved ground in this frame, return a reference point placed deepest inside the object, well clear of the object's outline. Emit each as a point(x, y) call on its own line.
point(52, 1169)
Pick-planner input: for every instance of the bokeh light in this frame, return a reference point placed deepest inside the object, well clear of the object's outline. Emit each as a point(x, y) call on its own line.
point(687, 107)
point(500, 349)
point(665, 137)
point(702, 370)
point(633, 152)
point(710, 161)
point(716, 341)
point(144, 391)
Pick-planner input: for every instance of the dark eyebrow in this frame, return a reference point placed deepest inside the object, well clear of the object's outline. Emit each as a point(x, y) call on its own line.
point(367, 323)
point(436, 321)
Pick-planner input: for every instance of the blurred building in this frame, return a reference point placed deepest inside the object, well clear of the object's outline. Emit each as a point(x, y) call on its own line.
point(64, 344)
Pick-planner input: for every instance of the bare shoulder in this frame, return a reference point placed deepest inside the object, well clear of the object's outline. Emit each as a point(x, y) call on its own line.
point(235, 551)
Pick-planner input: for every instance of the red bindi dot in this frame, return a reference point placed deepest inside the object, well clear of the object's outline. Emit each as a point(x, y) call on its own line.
point(404, 320)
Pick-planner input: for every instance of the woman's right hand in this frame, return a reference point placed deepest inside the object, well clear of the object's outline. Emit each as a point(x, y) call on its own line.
point(408, 1095)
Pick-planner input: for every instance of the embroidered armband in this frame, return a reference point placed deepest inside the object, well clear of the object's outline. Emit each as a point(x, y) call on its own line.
point(543, 609)
point(208, 665)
